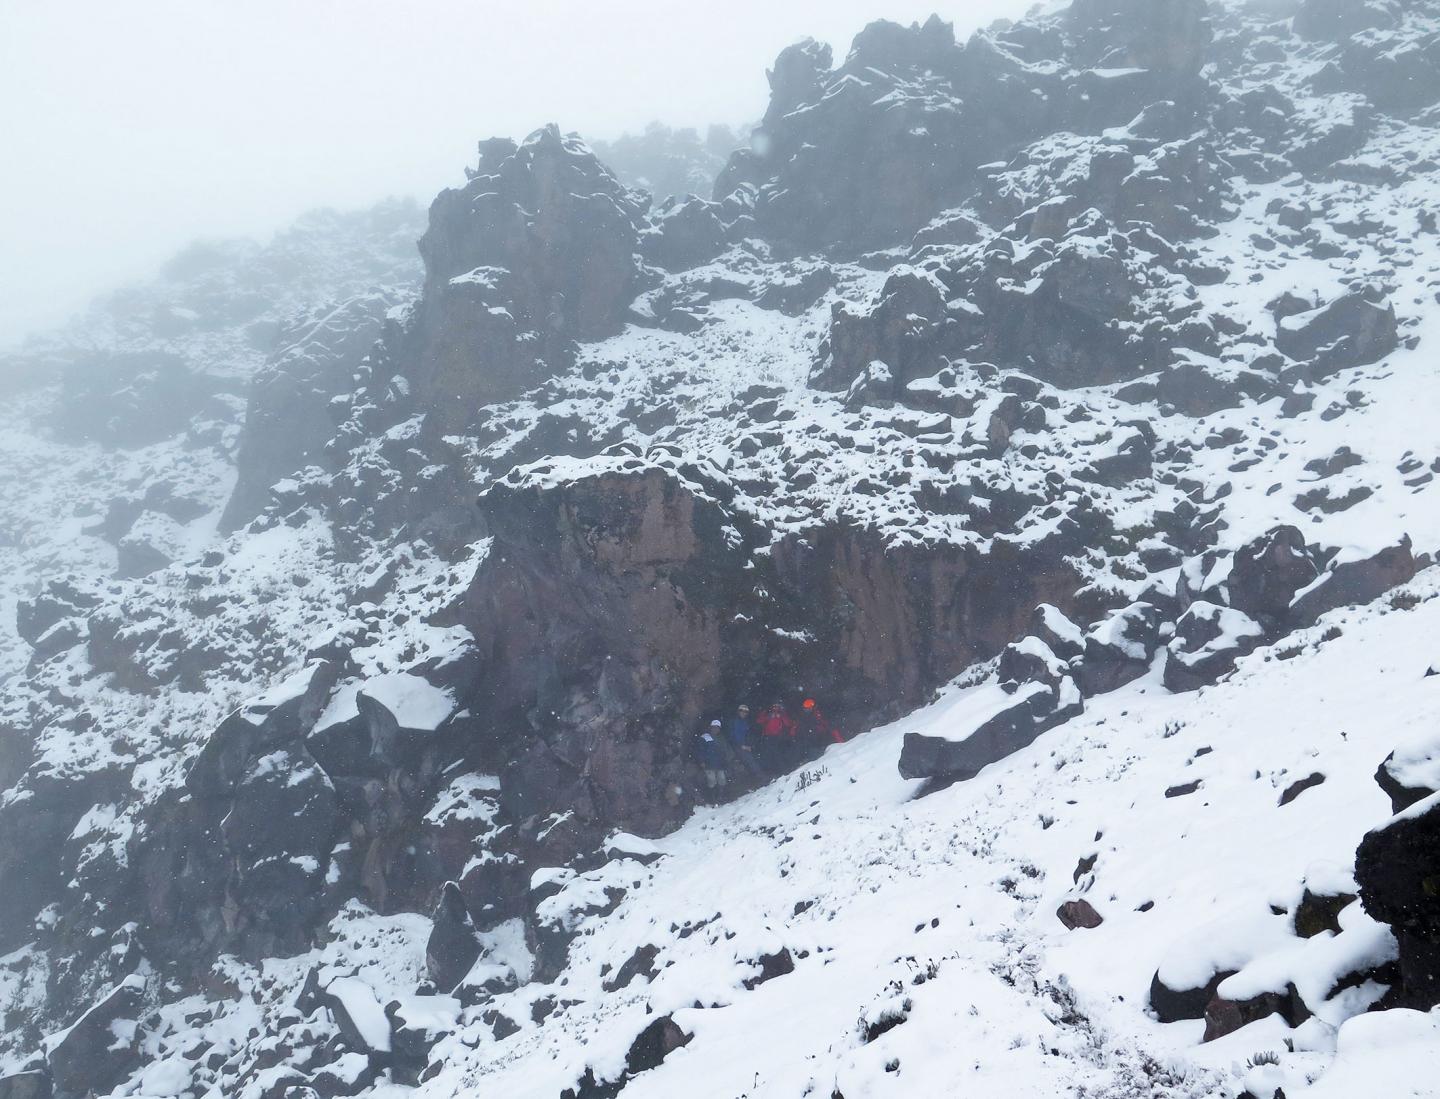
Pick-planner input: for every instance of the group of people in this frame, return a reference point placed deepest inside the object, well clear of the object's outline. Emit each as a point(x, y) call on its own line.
point(757, 748)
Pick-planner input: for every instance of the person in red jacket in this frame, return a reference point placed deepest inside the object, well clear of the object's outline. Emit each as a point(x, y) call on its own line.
point(814, 730)
point(777, 738)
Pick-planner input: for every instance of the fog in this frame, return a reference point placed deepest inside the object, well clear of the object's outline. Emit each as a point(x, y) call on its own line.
point(131, 129)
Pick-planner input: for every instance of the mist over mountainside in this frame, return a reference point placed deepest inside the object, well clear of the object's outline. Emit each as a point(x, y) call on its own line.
point(1055, 407)
point(670, 162)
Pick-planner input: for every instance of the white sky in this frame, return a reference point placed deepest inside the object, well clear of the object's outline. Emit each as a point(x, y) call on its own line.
point(130, 127)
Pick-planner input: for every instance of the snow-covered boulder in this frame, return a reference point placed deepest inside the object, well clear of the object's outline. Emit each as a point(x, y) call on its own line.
point(1208, 640)
point(993, 724)
point(1398, 869)
point(1119, 649)
point(1349, 331)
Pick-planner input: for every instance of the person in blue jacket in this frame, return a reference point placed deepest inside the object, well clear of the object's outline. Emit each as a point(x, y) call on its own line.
point(711, 754)
point(742, 734)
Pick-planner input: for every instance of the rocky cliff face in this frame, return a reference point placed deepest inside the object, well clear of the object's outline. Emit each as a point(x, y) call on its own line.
point(1057, 371)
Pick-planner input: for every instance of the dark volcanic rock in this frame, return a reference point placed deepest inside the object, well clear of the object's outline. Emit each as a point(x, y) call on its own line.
point(288, 419)
point(1079, 914)
point(618, 607)
point(684, 233)
point(603, 601)
point(452, 947)
point(900, 332)
point(1398, 870)
point(101, 1047)
point(1171, 1005)
point(1119, 649)
point(653, 1044)
point(33, 1084)
point(1037, 708)
point(551, 215)
point(1320, 912)
point(1401, 795)
point(1208, 640)
point(1268, 573)
point(1224, 1016)
point(1349, 331)
point(538, 249)
point(1359, 581)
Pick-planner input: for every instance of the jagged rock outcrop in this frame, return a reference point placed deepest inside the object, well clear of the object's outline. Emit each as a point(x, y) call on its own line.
point(623, 606)
point(291, 411)
point(867, 154)
point(551, 215)
point(600, 612)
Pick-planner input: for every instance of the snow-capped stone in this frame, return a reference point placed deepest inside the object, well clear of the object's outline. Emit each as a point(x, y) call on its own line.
point(1349, 331)
point(452, 947)
point(98, 1050)
point(1119, 649)
point(1397, 867)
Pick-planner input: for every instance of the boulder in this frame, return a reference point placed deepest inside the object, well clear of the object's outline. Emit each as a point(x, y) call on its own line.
point(1410, 776)
point(1299, 786)
point(1172, 1005)
point(100, 1048)
point(1358, 580)
point(653, 1044)
point(1208, 640)
point(1196, 391)
point(349, 1074)
point(1349, 331)
point(1267, 574)
point(770, 966)
point(128, 399)
point(1079, 914)
point(417, 1024)
point(1060, 635)
point(1397, 868)
point(1119, 649)
point(1029, 661)
point(359, 1016)
point(1224, 1016)
point(1006, 725)
point(900, 331)
point(1319, 912)
point(31, 1084)
point(58, 599)
point(639, 964)
point(453, 946)
point(649, 1049)
point(278, 716)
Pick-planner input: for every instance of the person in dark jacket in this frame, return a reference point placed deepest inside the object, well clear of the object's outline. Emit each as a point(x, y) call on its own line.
point(742, 736)
point(777, 738)
point(712, 757)
point(814, 730)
